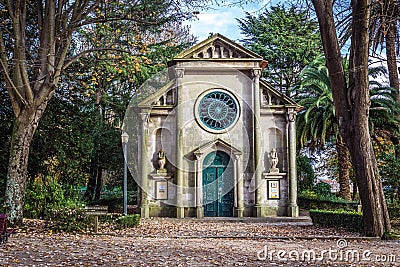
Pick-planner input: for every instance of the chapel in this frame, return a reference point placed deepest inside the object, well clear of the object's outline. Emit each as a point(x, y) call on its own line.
point(217, 140)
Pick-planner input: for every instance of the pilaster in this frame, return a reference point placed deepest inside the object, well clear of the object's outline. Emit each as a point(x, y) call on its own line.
point(293, 209)
point(144, 204)
point(199, 185)
point(180, 210)
point(259, 206)
point(239, 185)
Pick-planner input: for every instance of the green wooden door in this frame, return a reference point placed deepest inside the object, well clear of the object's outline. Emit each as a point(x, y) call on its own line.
point(218, 184)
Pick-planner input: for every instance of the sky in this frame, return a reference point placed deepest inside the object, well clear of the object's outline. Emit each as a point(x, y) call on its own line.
point(222, 19)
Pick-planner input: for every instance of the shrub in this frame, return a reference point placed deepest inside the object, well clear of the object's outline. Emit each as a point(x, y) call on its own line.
point(309, 199)
point(394, 210)
point(128, 221)
point(41, 198)
point(68, 218)
point(308, 194)
point(323, 190)
point(305, 173)
point(350, 220)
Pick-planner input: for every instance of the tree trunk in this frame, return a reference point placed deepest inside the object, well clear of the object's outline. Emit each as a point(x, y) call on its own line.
point(100, 181)
point(375, 214)
point(25, 126)
point(391, 59)
point(352, 107)
point(344, 169)
point(91, 185)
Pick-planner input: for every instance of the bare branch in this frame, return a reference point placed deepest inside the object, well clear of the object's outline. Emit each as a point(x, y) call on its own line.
point(10, 82)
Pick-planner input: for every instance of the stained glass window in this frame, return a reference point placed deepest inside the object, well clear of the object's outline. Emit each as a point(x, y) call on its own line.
point(218, 110)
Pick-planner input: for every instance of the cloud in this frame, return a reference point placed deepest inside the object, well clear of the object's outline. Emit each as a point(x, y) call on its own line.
point(222, 19)
point(217, 22)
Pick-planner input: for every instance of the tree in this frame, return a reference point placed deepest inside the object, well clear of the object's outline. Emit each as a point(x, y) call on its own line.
point(111, 79)
point(317, 123)
point(35, 50)
point(384, 31)
point(384, 110)
point(352, 106)
point(286, 37)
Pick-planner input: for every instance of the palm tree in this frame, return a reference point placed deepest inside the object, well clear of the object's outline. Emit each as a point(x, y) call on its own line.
point(384, 111)
point(317, 123)
point(384, 32)
point(384, 35)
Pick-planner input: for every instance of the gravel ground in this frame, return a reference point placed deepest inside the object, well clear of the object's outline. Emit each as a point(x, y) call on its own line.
point(171, 242)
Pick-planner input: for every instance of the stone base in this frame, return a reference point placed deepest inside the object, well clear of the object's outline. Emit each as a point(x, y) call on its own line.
point(162, 172)
point(161, 175)
point(293, 211)
point(180, 212)
point(259, 211)
point(200, 212)
point(239, 212)
point(144, 211)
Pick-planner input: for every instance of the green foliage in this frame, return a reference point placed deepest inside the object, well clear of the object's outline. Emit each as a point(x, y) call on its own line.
point(350, 220)
point(41, 198)
point(62, 145)
point(323, 190)
point(6, 125)
point(308, 194)
point(287, 38)
point(316, 123)
point(394, 211)
point(320, 197)
point(68, 218)
point(309, 202)
point(114, 199)
point(128, 221)
point(50, 202)
point(305, 173)
point(389, 170)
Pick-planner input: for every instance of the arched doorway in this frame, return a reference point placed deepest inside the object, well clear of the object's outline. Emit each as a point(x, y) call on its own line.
point(218, 185)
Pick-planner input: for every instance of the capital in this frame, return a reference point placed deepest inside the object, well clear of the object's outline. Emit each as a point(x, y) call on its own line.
point(237, 155)
point(256, 73)
point(198, 155)
point(291, 116)
point(144, 116)
point(179, 72)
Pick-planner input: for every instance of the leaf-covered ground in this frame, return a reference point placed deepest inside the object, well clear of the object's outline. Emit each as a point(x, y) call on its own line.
point(172, 242)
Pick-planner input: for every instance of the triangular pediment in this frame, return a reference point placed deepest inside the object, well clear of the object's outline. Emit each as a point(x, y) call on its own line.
point(218, 47)
point(217, 144)
point(158, 97)
point(272, 97)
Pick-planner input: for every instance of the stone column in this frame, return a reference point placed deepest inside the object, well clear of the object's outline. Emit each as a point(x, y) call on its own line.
point(293, 209)
point(199, 185)
point(144, 203)
point(259, 206)
point(180, 210)
point(239, 185)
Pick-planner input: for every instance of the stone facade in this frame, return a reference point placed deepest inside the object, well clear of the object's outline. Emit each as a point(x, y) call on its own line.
point(210, 135)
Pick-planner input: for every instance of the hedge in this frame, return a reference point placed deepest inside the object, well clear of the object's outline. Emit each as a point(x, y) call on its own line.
point(350, 220)
point(328, 204)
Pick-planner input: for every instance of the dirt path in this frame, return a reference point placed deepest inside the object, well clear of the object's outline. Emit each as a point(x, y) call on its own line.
point(168, 242)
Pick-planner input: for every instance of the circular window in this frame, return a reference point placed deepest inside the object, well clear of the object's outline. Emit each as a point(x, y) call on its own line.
point(218, 110)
